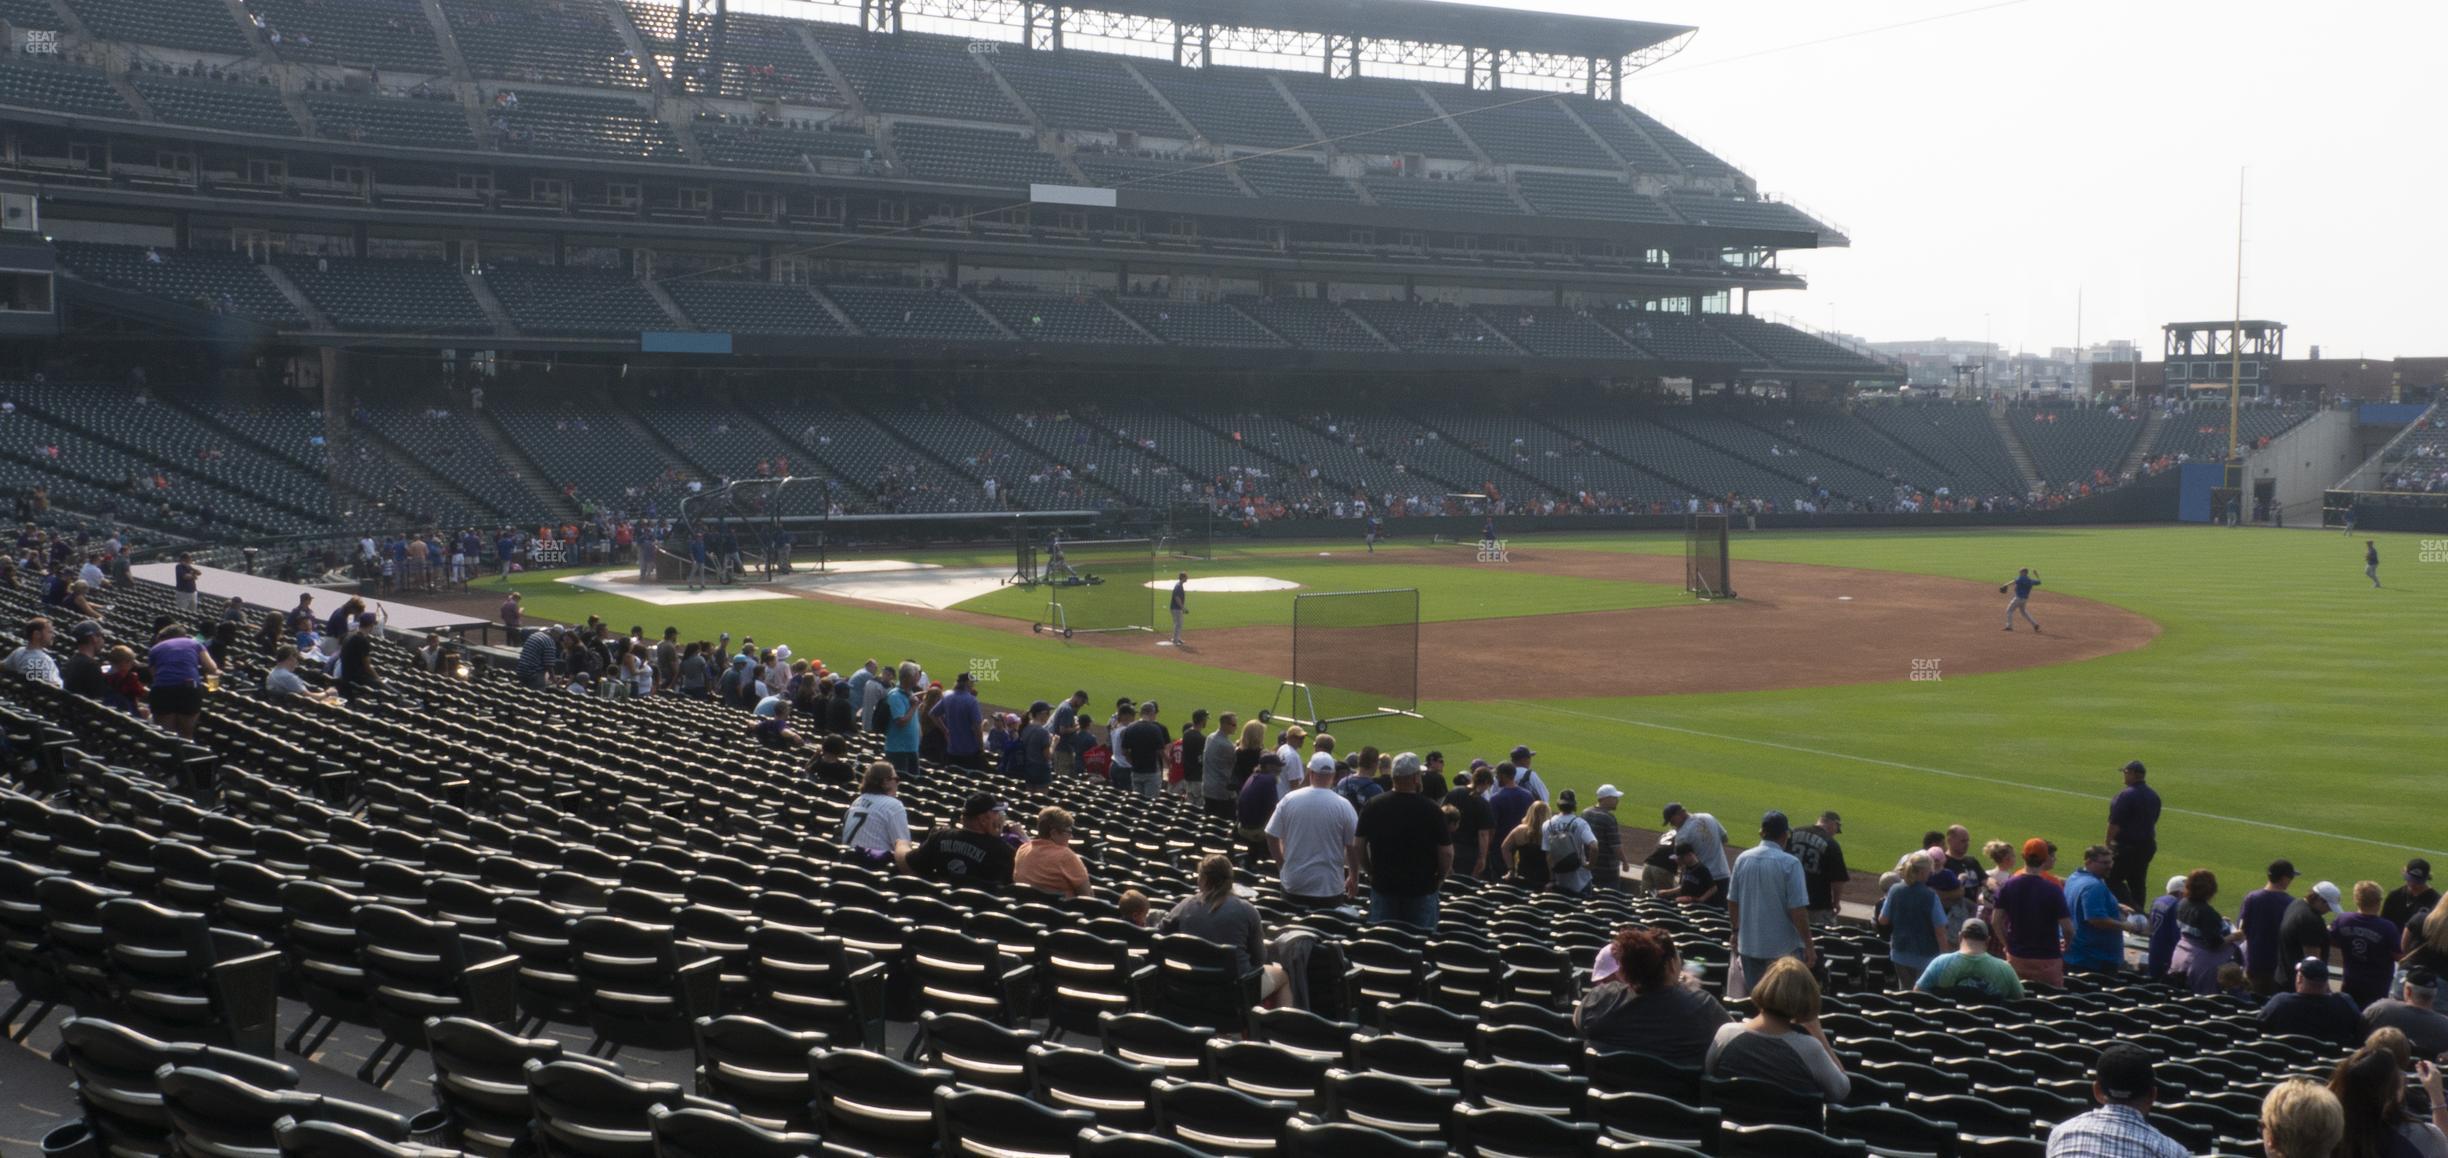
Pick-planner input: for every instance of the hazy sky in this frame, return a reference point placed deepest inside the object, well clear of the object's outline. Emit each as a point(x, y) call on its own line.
point(1989, 165)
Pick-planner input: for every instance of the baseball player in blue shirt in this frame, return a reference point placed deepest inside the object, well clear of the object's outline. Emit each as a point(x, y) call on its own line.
point(2021, 585)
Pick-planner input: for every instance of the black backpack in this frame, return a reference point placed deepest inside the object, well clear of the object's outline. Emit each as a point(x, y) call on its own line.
point(881, 717)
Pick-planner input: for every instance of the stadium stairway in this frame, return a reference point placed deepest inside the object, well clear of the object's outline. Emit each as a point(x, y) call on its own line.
point(226, 431)
point(1822, 449)
point(492, 307)
point(654, 289)
point(854, 492)
point(314, 315)
point(530, 475)
point(1604, 451)
point(2019, 454)
point(425, 475)
point(847, 92)
point(931, 454)
point(1936, 468)
point(1663, 422)
point(2141, 452)
point(645, 431)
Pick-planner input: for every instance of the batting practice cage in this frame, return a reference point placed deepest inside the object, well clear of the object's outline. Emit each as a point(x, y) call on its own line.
point(1098, 585)
point(1355, 656)
point(1708, 567)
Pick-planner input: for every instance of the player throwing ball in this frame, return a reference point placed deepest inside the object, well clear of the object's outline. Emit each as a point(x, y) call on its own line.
point(2021, 585)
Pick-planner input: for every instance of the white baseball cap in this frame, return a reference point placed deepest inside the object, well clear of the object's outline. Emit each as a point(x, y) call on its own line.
point(1609, 792)
point(2327, 891)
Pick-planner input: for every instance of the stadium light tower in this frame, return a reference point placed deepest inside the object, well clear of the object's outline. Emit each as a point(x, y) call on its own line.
point(700, 66)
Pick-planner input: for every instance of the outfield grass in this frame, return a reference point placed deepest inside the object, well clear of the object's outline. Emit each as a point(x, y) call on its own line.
point(2287, 709)
point(1447, 593)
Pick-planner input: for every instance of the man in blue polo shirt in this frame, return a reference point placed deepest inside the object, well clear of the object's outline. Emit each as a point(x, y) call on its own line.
point(2098, 944)
point(2133, 834)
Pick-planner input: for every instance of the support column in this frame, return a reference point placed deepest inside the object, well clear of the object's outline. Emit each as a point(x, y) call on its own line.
point(337, 405)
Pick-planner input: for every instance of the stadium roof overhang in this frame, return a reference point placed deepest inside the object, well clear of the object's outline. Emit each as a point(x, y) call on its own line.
point(1416, 21)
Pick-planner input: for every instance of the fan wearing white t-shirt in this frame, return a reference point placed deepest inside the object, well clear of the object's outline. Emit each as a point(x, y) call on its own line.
point(1312, 831)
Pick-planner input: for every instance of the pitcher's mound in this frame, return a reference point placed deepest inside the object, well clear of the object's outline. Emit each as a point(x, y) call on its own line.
point(1230, 584)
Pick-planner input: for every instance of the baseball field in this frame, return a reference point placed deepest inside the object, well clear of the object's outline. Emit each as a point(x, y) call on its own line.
point(2284, 706)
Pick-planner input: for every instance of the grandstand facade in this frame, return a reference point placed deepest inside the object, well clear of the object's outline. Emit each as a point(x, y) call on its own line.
point(514, 261)
point(541, 176)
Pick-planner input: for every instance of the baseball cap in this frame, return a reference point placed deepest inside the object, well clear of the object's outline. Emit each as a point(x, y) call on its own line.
point(979, 805)
point(2035, 850)
point(2316, 968)
point(1270, 760)
point(1609, 792)
point(2418, 870)
point(1671, 809)
point(1945, 881)
point(2421, 977)
point(1606, 965)
point(85, 629)
point(2176, 884)
point(2282, 867)
point(1522, 752)
point(2124, 1073)
point(1407, 764)
point(1773, 823)
point(2135, 767)
point(2327, 891)
point(1975, 929)
point(1040, 706)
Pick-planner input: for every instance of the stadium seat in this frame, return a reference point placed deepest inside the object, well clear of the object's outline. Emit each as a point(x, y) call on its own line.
point(1756, 1102)
point(1503, 1085)
point(872, 1102)
point(214, 1115)
point(995, 1124)
point(759, 1068)
point(1503, 1133)
point(1147, 1039)
point(118, 1080)
point(1776, 1141)
point(326, 1139)
point(1637, 1117)
point(1113, 1090)
point(1219, 1120)
point(1307, 1139)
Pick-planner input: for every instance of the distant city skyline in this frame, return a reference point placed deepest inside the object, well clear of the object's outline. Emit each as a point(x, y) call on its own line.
point(1993, 166)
